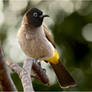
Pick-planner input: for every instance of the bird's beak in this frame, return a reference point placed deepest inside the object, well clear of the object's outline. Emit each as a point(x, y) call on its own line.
point(45, 15)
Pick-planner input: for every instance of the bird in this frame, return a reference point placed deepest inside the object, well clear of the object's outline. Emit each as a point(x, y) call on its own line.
point(36, 41)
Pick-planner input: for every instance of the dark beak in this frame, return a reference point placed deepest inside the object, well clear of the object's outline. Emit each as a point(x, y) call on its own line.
point(42, 16)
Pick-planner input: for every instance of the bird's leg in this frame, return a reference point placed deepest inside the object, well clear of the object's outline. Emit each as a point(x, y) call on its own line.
point(39, 59)
point(39, 62)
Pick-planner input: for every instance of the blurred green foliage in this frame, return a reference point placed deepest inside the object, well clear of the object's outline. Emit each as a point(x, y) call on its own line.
point(76, 51)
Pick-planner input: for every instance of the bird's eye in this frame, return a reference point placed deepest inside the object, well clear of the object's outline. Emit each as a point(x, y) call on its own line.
point(35, 14)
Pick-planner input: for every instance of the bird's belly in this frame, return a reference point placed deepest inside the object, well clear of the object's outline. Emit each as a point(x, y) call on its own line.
point(37, 48)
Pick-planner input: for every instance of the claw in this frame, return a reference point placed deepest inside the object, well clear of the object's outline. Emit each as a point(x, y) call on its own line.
point(39, 63)
point(44, 70)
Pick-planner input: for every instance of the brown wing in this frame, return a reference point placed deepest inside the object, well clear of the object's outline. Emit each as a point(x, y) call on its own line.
point(49, 35)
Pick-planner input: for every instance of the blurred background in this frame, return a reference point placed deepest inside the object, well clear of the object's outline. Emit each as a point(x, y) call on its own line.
point(71, 25)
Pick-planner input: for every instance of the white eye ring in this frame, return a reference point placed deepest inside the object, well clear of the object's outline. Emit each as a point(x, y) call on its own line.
point(35, 14)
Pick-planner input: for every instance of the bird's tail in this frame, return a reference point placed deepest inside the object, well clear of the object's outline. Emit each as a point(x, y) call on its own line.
point(63, 76)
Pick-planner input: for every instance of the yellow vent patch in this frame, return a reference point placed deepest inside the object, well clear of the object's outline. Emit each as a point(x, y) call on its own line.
point(55, 58)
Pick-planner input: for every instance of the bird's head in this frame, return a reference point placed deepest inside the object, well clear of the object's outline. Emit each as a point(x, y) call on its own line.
point(35, 17)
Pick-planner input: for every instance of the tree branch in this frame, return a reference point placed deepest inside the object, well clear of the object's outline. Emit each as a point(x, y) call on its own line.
point(25, 72)
point(5, 80)
point(40, 72)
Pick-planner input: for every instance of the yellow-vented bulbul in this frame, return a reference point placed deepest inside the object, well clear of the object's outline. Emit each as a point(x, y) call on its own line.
point(37, 42)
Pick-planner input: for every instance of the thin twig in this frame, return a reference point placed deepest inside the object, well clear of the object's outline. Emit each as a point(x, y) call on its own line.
point(5, 80)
